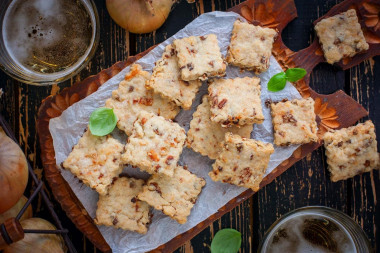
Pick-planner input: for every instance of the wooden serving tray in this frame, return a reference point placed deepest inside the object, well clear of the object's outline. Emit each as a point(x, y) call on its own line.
point(333, 111)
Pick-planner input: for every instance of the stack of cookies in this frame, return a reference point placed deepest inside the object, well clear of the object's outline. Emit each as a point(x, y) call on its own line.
point(145, 105)
point(154, 145)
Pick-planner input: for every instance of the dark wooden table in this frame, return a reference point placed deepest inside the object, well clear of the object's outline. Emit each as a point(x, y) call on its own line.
point(307, 183)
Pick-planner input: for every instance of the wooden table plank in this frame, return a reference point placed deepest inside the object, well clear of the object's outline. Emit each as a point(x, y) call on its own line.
point(364, 189)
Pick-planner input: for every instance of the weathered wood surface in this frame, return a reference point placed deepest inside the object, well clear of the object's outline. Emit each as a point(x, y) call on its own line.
point(306, 183)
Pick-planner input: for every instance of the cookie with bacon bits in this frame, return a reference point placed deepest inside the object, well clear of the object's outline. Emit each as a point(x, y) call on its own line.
point(242, 162)
point(351, 151)
point(174, 196)
point(155, 144)
point(120, 208)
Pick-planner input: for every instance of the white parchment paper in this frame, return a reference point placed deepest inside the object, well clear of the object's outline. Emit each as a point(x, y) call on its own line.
point(68, 128)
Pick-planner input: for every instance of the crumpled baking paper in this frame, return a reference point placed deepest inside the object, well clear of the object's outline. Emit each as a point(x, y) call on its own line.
point(67, 129)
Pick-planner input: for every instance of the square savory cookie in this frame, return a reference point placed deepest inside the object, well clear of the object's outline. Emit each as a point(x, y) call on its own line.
point(251, 46)
point(341, 36)
point(155, 144)
point(351, 151)
point(174, 196)
point(294, 122)
point(242, 162)
point(206, 136)
point(132, 97)
point(96, 160)
point(120, 208)
point(166, 80)
point(236, 102)
point(199, 57)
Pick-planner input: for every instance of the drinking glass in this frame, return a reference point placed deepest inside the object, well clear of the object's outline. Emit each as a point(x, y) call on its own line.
point(315, 229)
point(37, 70)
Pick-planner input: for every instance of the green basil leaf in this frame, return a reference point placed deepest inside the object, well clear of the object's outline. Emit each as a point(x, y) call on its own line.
point(102, 121)
point(227, 240)
point(277, 82)
point(295, 74)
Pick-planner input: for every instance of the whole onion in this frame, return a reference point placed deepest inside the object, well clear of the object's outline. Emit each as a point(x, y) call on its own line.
point(41, 243)
point(12, 213)
point(139, 16)
point(13, 172)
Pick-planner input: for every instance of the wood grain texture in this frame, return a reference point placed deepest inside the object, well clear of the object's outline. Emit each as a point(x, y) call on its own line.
point(364, 190)
point(306, 183)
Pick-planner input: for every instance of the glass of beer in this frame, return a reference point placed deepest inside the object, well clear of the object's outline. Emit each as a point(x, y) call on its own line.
point(47, 41)
point(315, 229)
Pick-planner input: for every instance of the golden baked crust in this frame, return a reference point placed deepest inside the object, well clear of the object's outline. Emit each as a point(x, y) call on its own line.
point(242, 162)
point(341, 36)
point(236, 102)
point(132, 97)
point(251, 46)
point(206, 136)
point(199, 57)
point(174, 196)
point(155, 144)
point(96, 161)
point(120, 208)
point(351, 151)
point(294, 122)
point(166, 80)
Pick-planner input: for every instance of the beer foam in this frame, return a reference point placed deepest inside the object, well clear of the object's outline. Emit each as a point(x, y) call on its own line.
point(48, 37)
point(48, 8)
point(24, 32)
point(295, 242)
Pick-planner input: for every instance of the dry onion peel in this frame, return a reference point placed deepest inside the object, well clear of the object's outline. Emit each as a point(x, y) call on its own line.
point(13, 172)
point(41, 243)
point(139, 16)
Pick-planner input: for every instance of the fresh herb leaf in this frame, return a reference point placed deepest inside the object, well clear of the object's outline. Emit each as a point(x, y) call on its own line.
point(102, 121)
point(227, 240)
point(295, 74)
point(277, 82)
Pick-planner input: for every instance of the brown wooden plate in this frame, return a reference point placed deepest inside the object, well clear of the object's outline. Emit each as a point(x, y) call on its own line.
point(333, 111)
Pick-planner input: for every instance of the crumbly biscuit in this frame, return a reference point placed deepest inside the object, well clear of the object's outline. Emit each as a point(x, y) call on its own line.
point(236, 101)
point(351, 151)
point(155, 144)
point(199, 57)
point(120, 208)
point(96, 161)
point(174, 196)
point(294, 122)
point(341, 36)
point(132, 97)
point(166, 80)
point(205, 136)
point(242, 162)
point(251, 46)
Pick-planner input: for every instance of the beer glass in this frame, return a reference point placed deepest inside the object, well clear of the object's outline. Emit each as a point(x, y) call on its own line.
point(46, 42)
point(315, 229)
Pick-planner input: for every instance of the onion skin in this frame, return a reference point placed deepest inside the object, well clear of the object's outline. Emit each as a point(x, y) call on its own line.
point(41, 243)
point(12, 213)
point(13, 172)
point(139, 16)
